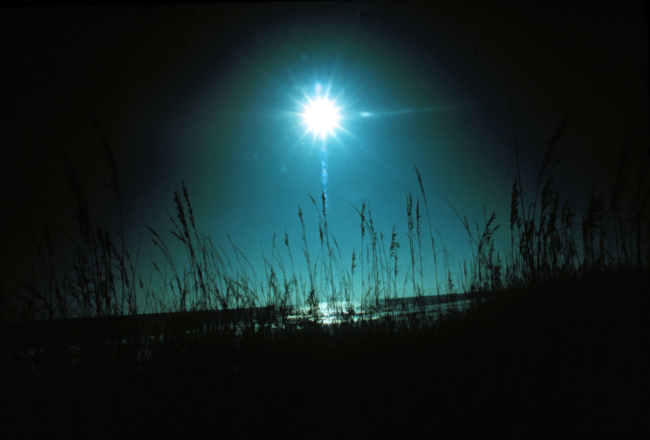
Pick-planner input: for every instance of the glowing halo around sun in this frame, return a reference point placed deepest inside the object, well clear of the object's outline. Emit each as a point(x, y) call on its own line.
point(320, 115)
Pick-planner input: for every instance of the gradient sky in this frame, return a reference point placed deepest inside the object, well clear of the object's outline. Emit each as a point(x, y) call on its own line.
point(210, 94)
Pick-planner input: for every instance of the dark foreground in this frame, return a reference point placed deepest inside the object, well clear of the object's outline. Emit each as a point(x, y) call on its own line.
point(570, 360)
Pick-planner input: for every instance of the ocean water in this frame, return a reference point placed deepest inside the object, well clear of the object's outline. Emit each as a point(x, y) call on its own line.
point(329, 314)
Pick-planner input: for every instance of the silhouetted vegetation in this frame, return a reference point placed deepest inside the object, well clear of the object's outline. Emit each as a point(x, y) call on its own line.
point(552, 339)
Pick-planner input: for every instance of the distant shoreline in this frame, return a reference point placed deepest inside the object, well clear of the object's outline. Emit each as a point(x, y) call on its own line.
point(43, 333)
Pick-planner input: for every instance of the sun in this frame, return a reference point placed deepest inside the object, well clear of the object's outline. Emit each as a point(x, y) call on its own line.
point(321, 116)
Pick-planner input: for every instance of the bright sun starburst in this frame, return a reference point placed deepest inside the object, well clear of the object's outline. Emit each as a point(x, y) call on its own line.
point(321, 116)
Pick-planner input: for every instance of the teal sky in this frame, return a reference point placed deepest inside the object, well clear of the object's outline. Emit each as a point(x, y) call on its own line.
point(211, 94)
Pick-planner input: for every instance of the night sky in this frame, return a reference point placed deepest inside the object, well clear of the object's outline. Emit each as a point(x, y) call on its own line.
point(212, 95)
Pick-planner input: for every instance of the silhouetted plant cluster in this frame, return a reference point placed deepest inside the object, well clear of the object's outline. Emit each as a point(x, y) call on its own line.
point(546, 244)
point(213, 320)
point(543, 237)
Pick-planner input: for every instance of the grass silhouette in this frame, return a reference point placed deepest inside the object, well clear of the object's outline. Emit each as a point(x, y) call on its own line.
point(553, 340)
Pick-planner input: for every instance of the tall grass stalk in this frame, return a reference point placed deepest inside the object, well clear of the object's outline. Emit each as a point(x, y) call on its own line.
point(433, 244)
